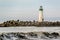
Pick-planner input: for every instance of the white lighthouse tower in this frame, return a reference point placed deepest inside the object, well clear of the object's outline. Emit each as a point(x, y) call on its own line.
point(40, 19)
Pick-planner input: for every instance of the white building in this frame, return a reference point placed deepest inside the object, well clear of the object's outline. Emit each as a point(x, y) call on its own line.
point(40, 19)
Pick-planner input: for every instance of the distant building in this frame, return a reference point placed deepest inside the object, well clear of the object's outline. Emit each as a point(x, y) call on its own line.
point(40, 19)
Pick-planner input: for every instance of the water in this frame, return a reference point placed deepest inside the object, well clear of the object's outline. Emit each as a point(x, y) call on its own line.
point(6, 30)
point(29, 29)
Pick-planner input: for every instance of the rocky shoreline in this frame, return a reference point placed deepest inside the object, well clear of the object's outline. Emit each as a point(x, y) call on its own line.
point(29, 36)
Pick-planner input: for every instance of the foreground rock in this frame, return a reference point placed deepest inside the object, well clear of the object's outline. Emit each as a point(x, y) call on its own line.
point(29, 36)
point(52, 35)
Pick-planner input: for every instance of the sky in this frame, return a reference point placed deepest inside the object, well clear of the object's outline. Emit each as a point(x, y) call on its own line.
point(29, 10)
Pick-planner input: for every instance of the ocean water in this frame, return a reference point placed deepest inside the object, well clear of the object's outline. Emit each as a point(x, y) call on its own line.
point(29, 29)
point(5, 30)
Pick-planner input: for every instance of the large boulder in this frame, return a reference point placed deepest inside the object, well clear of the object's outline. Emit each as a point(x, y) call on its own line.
point(32, 34)
point(22, 36)
point(46, 34)
point(55, 34)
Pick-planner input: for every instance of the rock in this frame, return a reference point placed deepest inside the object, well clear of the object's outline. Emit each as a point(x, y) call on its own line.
point(55, 34)
point(21, 36)
point(33, 34)
point(46, 34)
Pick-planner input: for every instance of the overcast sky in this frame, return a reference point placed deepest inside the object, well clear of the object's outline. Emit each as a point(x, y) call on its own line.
point(28, 9)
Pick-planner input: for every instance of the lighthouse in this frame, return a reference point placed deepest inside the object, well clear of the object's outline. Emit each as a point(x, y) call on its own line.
point(40, 19)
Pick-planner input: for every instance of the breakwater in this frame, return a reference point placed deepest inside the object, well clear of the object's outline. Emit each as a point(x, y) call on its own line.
point(29, 23)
